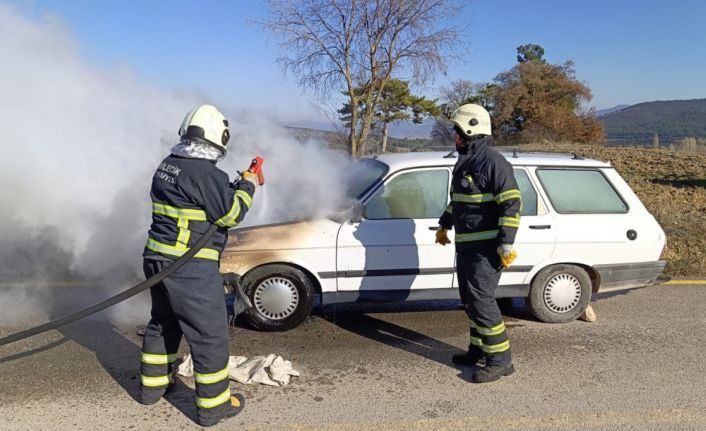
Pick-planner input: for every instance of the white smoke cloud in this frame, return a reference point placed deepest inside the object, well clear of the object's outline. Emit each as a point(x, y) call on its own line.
point(302, 180)
point(78, 148)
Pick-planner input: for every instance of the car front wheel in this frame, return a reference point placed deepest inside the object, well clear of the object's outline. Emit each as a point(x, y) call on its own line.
point(282, 297)
point(559, 293)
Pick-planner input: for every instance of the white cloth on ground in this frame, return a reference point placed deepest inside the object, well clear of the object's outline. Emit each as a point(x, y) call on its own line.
point(270, 370)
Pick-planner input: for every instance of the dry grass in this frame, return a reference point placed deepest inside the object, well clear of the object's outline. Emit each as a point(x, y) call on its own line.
point(672, 185)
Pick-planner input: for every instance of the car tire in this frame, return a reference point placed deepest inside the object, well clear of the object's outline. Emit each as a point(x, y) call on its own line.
point(282, 297)
point(559, 293)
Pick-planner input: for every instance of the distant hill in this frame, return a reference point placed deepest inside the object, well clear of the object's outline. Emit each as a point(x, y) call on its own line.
point(602, 112)
point(672, 120)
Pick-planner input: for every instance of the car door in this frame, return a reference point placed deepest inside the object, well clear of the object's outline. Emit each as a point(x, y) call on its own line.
point(536, 236)
point(392, 248)
point(594, 222)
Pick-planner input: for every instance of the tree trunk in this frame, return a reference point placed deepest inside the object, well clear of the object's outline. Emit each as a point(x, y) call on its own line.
point(353, 140)
point(351, 143)
point(363, 137)
point(366, 123)
point(384, 137)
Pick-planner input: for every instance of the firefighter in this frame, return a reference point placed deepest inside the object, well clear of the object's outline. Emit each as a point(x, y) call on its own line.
point(189, 193)
point(485, 212)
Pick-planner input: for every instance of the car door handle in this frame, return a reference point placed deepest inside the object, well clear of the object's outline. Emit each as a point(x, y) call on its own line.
point(433, 227)
point(540, 226)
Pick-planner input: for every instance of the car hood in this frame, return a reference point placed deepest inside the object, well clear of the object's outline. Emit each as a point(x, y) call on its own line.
point(318, 233)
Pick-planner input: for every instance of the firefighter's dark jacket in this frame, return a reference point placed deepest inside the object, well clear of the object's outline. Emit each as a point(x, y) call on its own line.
point(188, 195)
point(485, 200)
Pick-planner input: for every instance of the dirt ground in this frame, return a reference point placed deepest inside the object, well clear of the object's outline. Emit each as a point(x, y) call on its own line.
point(671, 184)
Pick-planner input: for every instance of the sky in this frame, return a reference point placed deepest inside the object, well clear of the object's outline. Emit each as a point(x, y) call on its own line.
point(627, 51)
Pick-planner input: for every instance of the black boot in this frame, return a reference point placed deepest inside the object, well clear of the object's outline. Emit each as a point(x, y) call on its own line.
point(234, 406)
point(491, 373)
point(472, 357)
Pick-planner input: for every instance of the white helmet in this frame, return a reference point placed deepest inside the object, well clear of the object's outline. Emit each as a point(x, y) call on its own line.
point(205, 123)
point(471, 120)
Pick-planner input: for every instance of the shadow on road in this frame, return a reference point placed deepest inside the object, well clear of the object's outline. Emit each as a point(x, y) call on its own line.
point(34, 351)
point(119, 356)
point(409, 340)
point(394, 335)
point(116, 351)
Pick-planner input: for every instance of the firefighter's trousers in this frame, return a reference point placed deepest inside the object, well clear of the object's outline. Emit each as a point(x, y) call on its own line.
point(478, 277)
point(191, 303)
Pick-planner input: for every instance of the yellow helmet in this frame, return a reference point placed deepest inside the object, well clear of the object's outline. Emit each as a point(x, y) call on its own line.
point(471, 120)
point(205, 123)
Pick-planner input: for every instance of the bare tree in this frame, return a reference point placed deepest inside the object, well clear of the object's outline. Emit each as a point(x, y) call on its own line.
point(459, 92)
point(345, 45)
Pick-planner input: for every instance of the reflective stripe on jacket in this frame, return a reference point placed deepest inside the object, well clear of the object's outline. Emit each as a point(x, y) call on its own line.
point(485, 199)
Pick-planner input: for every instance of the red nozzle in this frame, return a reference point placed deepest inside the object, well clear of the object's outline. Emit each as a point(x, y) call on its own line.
point(256, 168)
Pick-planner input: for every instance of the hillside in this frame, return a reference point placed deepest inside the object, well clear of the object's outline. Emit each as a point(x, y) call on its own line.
point(672, 120)
point(602, 112)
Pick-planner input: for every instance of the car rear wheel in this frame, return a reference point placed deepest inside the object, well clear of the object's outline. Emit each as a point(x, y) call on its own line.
point(282, 297)
point(559, 293)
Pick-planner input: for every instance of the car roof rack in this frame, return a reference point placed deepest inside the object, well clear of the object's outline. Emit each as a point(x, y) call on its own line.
point(516, 151)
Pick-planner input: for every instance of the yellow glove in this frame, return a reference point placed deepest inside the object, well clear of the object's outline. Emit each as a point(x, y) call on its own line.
point(250, 177)
point(441, 236)
point(507, 255)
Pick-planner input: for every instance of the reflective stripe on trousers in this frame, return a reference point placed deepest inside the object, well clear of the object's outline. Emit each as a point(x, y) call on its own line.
point(478, 278)
point(490, 340)
point(189, 303)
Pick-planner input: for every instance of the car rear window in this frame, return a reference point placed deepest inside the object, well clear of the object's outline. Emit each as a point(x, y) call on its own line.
point(580, 191)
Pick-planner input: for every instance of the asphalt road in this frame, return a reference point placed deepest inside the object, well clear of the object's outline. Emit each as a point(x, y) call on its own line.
point(641, 366)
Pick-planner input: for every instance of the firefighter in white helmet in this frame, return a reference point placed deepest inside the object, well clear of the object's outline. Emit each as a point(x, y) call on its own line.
point(189, 193)
point(485, 212)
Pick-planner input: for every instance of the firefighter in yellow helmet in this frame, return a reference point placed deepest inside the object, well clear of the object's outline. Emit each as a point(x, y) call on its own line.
point(189, 194)
point(485, 213)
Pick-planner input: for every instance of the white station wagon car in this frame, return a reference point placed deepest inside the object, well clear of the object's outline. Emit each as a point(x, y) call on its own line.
point(582, 230)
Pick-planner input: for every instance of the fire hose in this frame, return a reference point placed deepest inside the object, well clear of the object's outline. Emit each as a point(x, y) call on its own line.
point(255, 167)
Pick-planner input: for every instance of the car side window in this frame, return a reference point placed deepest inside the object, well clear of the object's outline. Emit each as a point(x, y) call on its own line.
point(419, 194)
point(528, 193)
point(580, 191)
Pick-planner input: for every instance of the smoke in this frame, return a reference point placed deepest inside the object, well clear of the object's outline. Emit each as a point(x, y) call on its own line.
point(77, 153)
point(302, 180)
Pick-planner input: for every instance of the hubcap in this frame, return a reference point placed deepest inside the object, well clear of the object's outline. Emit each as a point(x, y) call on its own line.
point(276, 298)
point(562, 293)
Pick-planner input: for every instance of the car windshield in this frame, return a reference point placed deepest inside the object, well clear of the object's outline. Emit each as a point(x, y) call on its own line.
point(363, 174)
